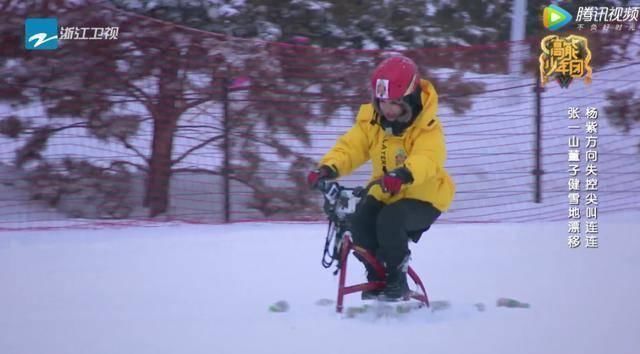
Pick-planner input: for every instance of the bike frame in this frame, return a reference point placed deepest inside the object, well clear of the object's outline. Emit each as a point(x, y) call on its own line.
point(332, 194)
point(343, 289)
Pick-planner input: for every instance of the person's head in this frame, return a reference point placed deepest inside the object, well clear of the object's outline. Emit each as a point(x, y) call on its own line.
point(396, 89)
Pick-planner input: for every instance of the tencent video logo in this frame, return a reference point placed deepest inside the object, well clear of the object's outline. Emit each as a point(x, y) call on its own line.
point(554, 17)
point(41, 33)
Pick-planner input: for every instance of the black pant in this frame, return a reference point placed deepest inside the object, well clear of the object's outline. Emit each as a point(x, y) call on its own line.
point(385, 230)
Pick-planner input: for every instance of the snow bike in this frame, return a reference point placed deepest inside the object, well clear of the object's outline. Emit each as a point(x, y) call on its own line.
point(339, 203)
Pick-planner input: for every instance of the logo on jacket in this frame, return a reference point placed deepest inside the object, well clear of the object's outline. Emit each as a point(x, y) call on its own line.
point(401, 156)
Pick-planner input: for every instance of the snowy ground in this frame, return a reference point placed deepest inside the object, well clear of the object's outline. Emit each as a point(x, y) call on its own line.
point(206, 289)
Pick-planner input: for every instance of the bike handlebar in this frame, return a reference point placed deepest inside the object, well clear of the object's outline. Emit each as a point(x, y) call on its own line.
point(325, 186)
point(339, 203)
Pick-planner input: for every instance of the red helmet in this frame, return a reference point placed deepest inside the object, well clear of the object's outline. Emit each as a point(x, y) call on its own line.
point(394, 78)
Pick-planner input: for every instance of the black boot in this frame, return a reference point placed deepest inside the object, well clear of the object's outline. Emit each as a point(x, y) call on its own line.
point(397, 288)
point(371, 276)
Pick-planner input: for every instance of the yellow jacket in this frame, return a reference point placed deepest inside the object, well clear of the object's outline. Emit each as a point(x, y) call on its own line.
point(421, 149)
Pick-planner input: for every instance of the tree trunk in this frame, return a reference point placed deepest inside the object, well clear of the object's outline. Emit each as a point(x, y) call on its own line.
point(158, 183)
point(165, 119)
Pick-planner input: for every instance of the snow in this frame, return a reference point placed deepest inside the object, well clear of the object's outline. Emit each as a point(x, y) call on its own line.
point(226, 11)
point(269, 31)
point(430, 9)
point(315, 5)
point(368, 44)
point(206, 289)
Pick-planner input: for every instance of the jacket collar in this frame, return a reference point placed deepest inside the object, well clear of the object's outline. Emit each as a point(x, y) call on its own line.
point(427, 119)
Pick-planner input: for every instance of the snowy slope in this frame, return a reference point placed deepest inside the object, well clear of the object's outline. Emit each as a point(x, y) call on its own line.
point(206, 289)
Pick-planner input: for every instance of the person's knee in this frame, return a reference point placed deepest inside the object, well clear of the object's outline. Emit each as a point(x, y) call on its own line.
point(358, 219)
point(366, 211)
point(363, 239)
point(363, 224)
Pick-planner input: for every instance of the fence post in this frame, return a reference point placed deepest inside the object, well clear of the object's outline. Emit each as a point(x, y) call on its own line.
point(226, 185)
point(538, 171)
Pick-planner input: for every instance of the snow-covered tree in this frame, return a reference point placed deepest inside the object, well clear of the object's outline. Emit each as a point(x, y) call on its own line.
point(165, 70)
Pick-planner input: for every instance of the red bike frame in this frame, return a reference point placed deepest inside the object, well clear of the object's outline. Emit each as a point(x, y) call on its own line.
point(347, 247)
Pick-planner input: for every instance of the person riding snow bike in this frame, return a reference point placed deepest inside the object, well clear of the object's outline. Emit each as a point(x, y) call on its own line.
point(402, 136)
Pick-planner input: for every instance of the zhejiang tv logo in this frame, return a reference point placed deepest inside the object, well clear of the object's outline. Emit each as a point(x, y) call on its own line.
point(41, 33)
point(554, 17)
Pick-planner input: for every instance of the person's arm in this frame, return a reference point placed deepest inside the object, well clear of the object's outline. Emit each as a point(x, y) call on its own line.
point(350, 151)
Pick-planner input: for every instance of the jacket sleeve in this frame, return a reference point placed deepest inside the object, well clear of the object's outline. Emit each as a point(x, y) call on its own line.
point(427, 156)
point(350, 151)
